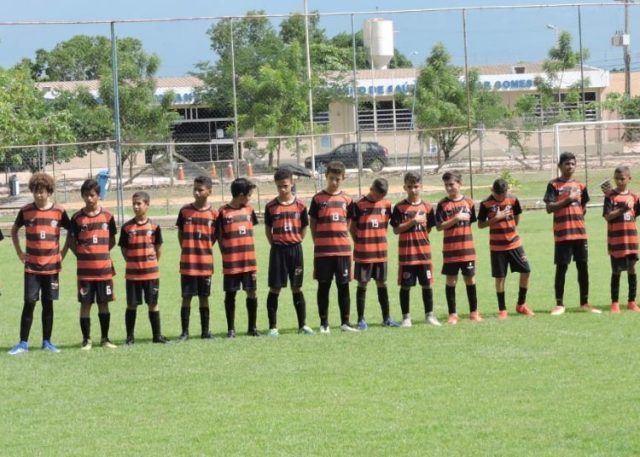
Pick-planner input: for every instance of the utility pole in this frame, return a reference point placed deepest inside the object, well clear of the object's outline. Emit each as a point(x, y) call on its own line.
point(624, 40)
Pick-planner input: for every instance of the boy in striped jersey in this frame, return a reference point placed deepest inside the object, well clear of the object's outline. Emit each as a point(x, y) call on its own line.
point(621, 207)
point(196, 232)
point(454, 215)
point(140, 243)
point(567, 199)
point(236, 220)
point(331, 213)
point(93, 235)
point(42, 260)
point(501, 213)
point(369, 233)
point(286, 221)
point(412, 220)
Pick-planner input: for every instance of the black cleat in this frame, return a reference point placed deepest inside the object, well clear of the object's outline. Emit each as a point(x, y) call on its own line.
point(160, 339)
point(183, 337)
point(254, 332)
point(130, 340)
point(206, 336)
point(231, 334)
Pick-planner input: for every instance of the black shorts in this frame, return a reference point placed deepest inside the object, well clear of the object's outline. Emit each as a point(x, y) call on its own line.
point(286, 263)
point(465, 268)
point(35, 284)
point(326, 268)
point(407, 275)
point(619, 264)
point(233, 283)
point(195, 286)
point(565, 250)
point(95, 291)
point(516, 259)
point(150, 288)
point(365, 272)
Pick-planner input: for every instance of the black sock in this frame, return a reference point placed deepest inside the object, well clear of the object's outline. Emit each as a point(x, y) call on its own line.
point(501, 303)
point(361, 297)
point(472, 298)
point(405, 305)
point(383, 299)
point(301, 308)
point(26, 320)
point(272, 309)
point(252, 313)
point(522, 295)
point(615, 287)
point(230, 309)
point(427, 300)
point(130, 321)
point(633, 286)
point(450, 293)
point(204, 320)
point(583, 282)
point(105, 321)
point(154, 319)
point(47, 319)
point(323, 302)
point(185, 315)
point(561, 271)
point(85, 327)
point(344, 302)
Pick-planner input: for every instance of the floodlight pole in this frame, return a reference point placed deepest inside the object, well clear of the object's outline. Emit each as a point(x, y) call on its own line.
point(310, 93)
point(236, 144)
point(466, 80)
point(117, 132)
point(356, 118)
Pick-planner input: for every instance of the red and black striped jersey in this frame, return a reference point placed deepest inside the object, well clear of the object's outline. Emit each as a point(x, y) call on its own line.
point(42, 229)
point(414, 246)
point(503, 235)
point(457, 242)
point(332, 213)
point(568, 222)
point(140, 239)
point(92, 236)
point(236, 239)
point(622, 234)
point(197, 229)
point(371, 219)
point(286, 221)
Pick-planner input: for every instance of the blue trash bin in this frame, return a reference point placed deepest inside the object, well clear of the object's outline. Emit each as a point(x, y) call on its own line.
point(103, 182)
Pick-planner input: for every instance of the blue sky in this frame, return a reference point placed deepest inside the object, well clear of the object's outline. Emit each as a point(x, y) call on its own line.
point(494, 36)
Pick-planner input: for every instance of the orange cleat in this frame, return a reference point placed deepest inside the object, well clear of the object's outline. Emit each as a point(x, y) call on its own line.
point(453, 319)
point(615, 307)
point(633, 306)
point(503, 314)
point(475, 316)
point(525, 310)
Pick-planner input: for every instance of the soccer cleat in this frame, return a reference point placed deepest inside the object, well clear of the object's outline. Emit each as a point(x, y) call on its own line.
point(130, 340)
point(254, 332)
point(524, 310)
point(615, 307)
point(362, 325)
point(325, 329)
point(160, 339)
point(273, 332)
point(388, 322)
point(632, 306)
point(406, 322)
point(206, 336)
point(432, 320)
point(306, 330)
point(231, 334)
point(49, 347)
point(19, 348)
point(183, 337)
point(557, 310)
point(475, 316)
point(86, 345)
point(107, 344)
point(503, 314)
point(590, 309)
point(452, 319)
point(347, 327)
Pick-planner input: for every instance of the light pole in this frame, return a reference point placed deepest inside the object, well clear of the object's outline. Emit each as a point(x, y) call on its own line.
point(555, 29)
point(626, 41)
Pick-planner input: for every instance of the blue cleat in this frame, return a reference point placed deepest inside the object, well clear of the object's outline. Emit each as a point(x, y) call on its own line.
point(362, 325)
point(49, 346)
point(19, 348)
point(390, 323)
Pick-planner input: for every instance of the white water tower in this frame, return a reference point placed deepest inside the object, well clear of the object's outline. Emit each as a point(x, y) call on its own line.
point(378, 39)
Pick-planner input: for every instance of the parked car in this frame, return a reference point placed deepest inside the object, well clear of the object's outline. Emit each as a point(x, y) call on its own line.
point(374, 156)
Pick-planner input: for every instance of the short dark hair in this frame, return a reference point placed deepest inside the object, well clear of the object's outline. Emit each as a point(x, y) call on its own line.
point(141, 195)
point(241, 186)
point(623, 170)
point(282, 173)
point(380, 185)
point(90, 185)
point(42, 181)
point(335, 167)
point(453, 174)
point(412, 177)
point(500, 186)
point(565, 156)
point(203, 180)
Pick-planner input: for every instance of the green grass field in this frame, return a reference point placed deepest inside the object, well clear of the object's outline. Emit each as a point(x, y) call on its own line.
point(541, 386)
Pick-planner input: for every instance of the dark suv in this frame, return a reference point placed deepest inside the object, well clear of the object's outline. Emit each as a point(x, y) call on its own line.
point(374, 156)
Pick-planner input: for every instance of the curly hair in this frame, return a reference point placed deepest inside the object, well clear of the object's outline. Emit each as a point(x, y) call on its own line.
point(42, 181)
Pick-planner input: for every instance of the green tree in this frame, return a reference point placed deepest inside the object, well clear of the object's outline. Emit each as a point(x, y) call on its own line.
point(626, 108)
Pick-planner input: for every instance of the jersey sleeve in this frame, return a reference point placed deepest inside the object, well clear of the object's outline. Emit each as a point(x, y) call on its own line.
point(396, 217)
point(441, 216)
point(313, 209)
point(113, 230)
point(352, 211)
point(74, 230)
point(268, 221)
point(431, 218)
point(608, 205)
point(123, 242)
point(472, 209)
point(517, 209)
point(158, 236)
point(65, 222)
point(19, 222)
point(1, 235)
point(483, 213)
point(304, 217)
point(550, 195)
point(254, 218)
point(180, 221)
point(585, 197)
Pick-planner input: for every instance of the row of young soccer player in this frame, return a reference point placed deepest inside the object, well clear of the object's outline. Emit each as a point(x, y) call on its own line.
point(334, 220)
